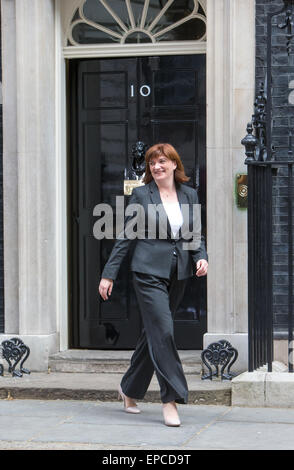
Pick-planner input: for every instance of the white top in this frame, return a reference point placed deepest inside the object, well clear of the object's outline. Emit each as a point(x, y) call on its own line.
point(175, 216)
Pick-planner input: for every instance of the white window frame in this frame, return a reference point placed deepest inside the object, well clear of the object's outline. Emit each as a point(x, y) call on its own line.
point(125, 49)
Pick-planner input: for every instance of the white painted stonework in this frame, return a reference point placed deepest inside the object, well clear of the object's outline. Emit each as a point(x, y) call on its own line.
point(34, 103)
point(30, 243)
point(263, 389)
point(230, 96)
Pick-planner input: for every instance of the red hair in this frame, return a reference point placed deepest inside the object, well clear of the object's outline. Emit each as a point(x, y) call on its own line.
point(169, 152)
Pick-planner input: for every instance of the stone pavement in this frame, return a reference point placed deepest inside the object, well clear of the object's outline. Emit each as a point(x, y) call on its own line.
point(91, 425)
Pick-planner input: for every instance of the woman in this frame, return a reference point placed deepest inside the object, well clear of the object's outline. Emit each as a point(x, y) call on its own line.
point(161, 266)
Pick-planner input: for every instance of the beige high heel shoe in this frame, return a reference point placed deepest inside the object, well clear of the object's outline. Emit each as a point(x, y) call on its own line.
point(170, 414)
point(128, 409)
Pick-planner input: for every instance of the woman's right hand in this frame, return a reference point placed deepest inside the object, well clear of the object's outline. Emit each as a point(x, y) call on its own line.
point(105, 287)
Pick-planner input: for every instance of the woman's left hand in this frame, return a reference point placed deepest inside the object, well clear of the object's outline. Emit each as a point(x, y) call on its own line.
point(202, 267)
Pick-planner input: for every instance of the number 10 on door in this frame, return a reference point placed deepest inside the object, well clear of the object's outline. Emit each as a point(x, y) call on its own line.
point(145, 90)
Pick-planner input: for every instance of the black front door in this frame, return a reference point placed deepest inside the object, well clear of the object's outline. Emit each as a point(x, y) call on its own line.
point(113, 104)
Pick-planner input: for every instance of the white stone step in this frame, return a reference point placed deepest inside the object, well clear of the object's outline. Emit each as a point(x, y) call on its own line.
point(105, 361)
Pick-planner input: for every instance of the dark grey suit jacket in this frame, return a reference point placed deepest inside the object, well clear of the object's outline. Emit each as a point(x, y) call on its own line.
point(154, 255)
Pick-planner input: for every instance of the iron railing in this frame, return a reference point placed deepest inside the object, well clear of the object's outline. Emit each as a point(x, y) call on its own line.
point(265, 163)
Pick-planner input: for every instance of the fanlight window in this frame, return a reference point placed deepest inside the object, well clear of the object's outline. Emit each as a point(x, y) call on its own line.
point(137, 21)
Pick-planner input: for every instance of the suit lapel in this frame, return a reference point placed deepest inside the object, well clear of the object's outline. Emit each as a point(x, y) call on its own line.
point(156, 199)
point(154, 193)
point(183, 199)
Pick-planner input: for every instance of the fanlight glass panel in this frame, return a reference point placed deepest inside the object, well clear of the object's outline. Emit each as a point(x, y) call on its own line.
point(137, 21)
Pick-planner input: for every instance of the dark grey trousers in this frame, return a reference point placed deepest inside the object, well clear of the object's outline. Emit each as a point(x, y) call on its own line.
point(158, 300)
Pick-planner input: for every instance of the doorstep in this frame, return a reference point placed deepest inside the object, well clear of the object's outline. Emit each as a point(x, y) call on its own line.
point(80, 374)
point(103, 387)
point(111, 361)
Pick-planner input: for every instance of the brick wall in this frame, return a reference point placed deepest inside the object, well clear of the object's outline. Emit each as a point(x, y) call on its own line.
point(283, 118)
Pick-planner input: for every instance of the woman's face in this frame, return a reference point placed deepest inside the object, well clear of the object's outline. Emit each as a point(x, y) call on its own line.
point(162, 168)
